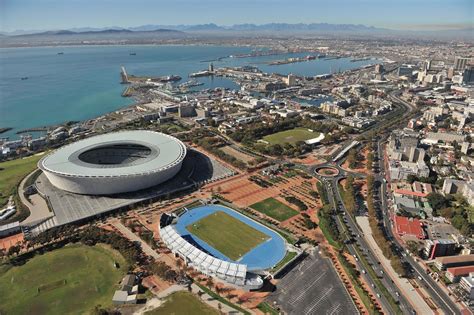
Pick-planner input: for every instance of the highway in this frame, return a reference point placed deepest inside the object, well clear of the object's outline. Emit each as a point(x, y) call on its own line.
point(360, 247)
point(439, 296)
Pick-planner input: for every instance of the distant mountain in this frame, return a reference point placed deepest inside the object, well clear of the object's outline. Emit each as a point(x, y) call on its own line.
point(303, 27)
point(210, 27)
point(98, 32)
point(156, 32)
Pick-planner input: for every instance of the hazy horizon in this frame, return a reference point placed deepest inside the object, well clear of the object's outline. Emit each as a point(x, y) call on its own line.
point(420, 15)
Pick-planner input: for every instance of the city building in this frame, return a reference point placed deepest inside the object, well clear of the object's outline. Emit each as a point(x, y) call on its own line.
point(455, 186)
point(438, 248)
point(460, 63)
point(454, 274)
point(467, 283)
point(409, 227)
point(441, 263)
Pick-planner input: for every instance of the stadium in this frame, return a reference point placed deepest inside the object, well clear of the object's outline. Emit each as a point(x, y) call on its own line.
point(114, 163)
point(220, 242)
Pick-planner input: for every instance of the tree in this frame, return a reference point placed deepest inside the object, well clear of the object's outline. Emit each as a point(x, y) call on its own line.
point(200, 294)
point(437, 201)
point(370, 161)
point(209, 283)
point(15, 249)
point(352, 158)
point(411, 178)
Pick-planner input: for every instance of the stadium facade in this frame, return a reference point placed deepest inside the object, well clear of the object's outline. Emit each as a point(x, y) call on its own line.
point(114, 163)
point(246, 272)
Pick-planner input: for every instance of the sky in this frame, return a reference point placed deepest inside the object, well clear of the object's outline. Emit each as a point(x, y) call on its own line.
point(394, 14)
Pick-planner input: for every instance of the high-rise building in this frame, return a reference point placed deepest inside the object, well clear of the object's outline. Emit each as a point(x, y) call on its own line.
point(468, 75)
point(291, 80)
point(460, 63)
point(378, 68)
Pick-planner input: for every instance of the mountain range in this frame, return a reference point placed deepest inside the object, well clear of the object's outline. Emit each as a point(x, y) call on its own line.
point(210, 27)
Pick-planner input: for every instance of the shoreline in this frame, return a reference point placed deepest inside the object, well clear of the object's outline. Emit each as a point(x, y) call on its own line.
point(134, 101)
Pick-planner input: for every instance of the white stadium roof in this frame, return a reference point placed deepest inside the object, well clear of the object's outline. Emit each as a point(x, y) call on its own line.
point(163, 152)
point(176, 243)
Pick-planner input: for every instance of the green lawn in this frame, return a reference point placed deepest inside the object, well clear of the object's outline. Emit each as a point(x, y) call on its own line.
point(289, 256)
point(12, 172)
point(274, 209)
point(70, 280)
point(183, 303)
point(229, 235)
point(291, 136)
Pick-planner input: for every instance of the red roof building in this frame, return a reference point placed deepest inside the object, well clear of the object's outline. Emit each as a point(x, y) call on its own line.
point(409, 227)
point(454, 273)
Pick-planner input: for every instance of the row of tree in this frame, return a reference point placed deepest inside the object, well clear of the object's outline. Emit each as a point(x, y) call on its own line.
point(378, 232)
point(349, 195)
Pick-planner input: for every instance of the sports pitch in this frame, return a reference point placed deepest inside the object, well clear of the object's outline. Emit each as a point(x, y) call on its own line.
point(183, 303)
point(228, 235)
point(274, 209)
point(290, 136)
point(70, 280)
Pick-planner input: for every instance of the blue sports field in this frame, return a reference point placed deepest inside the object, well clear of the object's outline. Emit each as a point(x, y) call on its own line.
point(264, 256)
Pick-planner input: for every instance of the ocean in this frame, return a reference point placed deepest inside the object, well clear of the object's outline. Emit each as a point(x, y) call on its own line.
point(84, 81)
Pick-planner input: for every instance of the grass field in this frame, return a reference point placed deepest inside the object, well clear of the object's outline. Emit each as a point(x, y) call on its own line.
point(290, 136)
point(70, 280)
point(274, 209)
point(12, 172)
point(183, 303)
point(228, 235)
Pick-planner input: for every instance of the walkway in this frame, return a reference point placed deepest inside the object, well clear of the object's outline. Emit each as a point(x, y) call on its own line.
point(133, 237)
point(38, 207)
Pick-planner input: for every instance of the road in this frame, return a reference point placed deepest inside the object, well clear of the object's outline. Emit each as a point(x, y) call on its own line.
point(359, 246)
point(440, 297)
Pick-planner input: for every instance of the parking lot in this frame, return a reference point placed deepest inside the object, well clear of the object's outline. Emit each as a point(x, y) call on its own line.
point(313, 287)
point(441, 231)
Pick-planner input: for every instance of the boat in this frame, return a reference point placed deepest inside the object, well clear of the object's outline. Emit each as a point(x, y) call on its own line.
point(203, 73)
point(60, 53)
point(24, 78)
point(133, 54)
point(191, 83)
point(170, 78)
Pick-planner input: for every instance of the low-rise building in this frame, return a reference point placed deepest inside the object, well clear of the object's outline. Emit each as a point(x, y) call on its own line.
point(128, 291)
point(453, 261)
point(409, 227)
point(439, 248)
point(454, 274)
point(467, 283)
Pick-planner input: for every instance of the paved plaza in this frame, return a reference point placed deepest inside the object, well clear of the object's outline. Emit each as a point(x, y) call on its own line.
point(69, 207)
